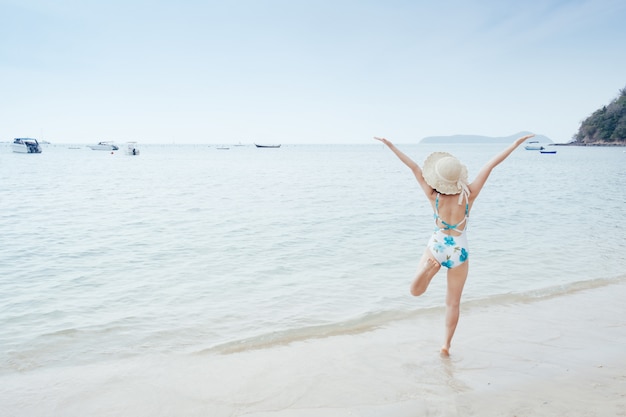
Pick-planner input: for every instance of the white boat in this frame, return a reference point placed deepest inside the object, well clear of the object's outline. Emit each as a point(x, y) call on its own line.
point(534, 146)
point(132, 148)
point(26, 145)
point(104, 146)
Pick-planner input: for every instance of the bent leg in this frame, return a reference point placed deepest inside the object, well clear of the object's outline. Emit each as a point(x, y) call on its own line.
point(456, 281)
point(426, 270)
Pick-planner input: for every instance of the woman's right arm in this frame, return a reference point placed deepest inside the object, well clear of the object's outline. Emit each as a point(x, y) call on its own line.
point(417, 171)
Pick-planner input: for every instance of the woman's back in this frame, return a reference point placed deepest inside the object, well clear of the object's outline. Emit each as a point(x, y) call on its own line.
point(449, 214)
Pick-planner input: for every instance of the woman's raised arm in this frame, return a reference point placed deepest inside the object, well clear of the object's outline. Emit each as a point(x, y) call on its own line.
point(417, 171)
point(483, 174)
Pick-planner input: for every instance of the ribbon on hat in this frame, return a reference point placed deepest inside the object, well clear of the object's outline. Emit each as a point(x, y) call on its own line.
point(465, 192)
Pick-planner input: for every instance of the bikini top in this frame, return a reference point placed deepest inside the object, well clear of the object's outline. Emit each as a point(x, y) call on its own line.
point(448, 226)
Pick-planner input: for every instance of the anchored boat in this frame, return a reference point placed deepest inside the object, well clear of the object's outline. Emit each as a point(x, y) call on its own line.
point(104, 146)
point(26, 145)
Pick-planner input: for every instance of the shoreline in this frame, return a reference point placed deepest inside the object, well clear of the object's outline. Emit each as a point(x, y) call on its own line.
point(552, 356)
point(608, 145)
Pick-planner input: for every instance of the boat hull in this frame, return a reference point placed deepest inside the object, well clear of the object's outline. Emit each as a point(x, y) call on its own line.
point(26, 146)
point(103, 147)
point(266, 146)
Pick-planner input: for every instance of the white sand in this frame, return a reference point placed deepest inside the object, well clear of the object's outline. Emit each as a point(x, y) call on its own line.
point(561, 356)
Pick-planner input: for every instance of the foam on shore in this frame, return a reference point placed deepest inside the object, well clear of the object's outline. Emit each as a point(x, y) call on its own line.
point(560, 355)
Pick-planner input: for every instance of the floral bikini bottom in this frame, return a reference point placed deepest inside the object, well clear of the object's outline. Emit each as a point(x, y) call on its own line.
point(450, 251)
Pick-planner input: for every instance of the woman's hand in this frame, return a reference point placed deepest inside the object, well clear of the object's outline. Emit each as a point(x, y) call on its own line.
point(523, 138)
point(383, 140)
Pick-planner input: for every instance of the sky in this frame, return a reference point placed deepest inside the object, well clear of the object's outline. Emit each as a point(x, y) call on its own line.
point(291, 71)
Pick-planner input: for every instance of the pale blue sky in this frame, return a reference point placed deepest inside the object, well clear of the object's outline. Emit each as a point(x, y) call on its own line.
point(340, 71)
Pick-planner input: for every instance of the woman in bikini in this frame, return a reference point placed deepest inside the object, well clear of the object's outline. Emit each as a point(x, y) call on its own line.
point(444, 181)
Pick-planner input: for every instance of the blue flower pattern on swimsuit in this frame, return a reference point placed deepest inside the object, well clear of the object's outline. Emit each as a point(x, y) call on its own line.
point(450, 248)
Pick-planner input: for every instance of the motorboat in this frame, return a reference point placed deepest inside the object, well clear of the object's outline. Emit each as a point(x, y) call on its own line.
point(104, 146)
point(534, 146)
point(542, 151)
point(131, 148)
point(266, 146)
point(26, 145)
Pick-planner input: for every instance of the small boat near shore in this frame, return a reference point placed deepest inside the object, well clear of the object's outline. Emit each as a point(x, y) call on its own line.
point(25, 145)
point(132, 148)
point(542, 151)
point(266, 146)
point(534, 146)
point(104, 146)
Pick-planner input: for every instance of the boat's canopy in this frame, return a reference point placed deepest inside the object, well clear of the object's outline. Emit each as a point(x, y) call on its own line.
point(25, 140)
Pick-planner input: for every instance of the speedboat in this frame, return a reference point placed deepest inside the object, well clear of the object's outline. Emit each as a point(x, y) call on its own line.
point(104, 146)
point(131, 148)
point(26, 145)
point(534, 146)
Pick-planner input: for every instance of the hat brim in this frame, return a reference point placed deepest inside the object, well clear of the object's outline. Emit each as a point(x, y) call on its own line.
point(432, 179)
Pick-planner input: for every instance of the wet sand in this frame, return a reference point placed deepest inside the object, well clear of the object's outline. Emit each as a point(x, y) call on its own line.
point(561, 355)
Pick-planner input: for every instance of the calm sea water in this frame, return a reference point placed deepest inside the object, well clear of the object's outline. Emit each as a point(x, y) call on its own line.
point(190, 248)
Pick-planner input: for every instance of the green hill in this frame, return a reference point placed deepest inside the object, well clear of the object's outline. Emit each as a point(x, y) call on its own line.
point(606, 126)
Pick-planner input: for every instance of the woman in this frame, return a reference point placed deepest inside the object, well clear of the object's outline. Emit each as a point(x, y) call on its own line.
point(444, 181)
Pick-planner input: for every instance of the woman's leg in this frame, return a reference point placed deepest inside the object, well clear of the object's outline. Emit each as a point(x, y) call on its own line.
point(456, 280)
point(426, 270)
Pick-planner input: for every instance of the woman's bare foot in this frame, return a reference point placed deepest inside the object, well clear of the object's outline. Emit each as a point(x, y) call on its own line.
point(445, 351)
point(431, 265)
point(429, 269)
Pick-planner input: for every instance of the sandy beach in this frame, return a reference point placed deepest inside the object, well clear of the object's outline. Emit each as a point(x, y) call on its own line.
point(553, 356)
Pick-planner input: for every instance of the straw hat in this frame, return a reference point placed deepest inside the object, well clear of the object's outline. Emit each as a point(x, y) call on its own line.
point(446, 174)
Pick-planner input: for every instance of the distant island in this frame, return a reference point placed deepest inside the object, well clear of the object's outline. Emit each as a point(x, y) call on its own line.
point(483, 139)
point(606, 126)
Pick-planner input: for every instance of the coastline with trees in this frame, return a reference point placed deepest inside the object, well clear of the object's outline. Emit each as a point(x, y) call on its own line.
point(606, 126)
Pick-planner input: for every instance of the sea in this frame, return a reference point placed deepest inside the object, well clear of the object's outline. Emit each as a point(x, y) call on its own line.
point(195, 249)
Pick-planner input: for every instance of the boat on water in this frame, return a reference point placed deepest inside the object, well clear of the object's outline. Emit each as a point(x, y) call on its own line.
point(26, 145)
point(266, 146)
point(542, 151)
point(104, 146)
point(132, 148)
point(534, 146)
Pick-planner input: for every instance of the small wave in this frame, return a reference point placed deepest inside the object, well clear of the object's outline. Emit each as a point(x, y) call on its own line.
point(544, 293)
point(372, 321)
point(363, 324)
